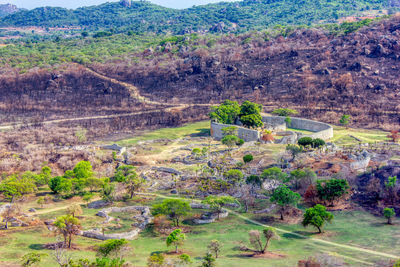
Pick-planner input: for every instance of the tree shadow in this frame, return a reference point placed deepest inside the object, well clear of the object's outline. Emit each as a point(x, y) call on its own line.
point(36, 246)
point(200, 132)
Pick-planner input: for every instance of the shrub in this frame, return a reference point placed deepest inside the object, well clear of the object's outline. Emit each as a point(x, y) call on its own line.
point(248, 158)
point(318, 142)
point(284, 112)
point(305, 141)
point(332, 190)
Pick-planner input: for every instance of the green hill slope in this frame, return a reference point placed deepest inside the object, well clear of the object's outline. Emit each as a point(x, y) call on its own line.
point(234, 16)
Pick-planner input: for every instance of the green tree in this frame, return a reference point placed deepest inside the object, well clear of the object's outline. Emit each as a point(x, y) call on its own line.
point(284, 197)
point(248, 158)
point(107, 193)
point(83, 170)
point(275, 173)
point(269, 233)
point(133, 183)
point(185, 259)
point(156, 260)
point(389, 213)
point(215, 247)
point(15, 186)
point(94, 183)
point(32, 258)
point(60, 185)
point(317, 216)
point(252, 121)
point(318, 142)
point(217, 203)
point(208, 261)
point(345, 120)
point(254, 180)
point(301, 176)
point(231, 130)
point(225, 113)
point(68, 226)
point(284, 112)
point(175, 209)
point(234, 176)
point(305, 141)
point(113, 248)
point(230, 141)
point(176, 238)
point(87, 197)
point(332, 189)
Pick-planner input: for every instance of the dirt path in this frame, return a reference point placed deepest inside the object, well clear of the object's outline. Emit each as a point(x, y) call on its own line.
point(134, 91)
point(313, 239)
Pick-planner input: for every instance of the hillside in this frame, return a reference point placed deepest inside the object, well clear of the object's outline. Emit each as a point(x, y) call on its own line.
point(7, 9)
point(321, 74)
point(221, 17)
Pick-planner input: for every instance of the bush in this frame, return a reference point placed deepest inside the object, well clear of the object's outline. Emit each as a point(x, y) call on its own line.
point(318, 142)
point(332, 190)
point(248, 158)
point(305, 141)
point(284, 112)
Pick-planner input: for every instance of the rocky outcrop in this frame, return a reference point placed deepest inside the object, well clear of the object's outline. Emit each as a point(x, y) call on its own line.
point(210, 217)
point(141, 221)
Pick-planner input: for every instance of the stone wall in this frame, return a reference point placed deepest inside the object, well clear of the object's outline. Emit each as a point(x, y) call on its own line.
point(277, 123)
point(246, 134)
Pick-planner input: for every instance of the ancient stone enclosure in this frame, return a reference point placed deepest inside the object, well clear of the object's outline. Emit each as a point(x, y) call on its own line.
point(278, 124)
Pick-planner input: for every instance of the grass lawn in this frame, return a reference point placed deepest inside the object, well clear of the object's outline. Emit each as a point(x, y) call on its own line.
point(192, 129)
point(343, 136)
point(354, 228)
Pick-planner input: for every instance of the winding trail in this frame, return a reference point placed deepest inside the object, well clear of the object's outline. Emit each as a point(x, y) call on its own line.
point(313, 239)
point(135, 94)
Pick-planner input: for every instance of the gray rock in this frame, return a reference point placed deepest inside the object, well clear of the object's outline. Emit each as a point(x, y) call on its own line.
point(98, 204)
point(32, 210)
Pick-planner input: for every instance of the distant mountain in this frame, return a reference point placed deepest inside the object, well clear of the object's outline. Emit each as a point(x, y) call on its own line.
point(7, 9)
point(142, 16)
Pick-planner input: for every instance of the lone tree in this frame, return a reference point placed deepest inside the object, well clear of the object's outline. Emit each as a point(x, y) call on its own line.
point(345, 120)
point(217, 203)
point(317, 216)
point(176, 238)
point(231, 140)
point(208, 261)
point(284, 197)
point(68, 226)
point(74, 210)
point(332, 190)
point(256, 242)
point(175, 209)
point(389, 214)
point(215, 247)
point(128, 176)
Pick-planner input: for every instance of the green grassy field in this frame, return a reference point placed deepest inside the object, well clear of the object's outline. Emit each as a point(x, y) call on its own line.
point(353, 228)
point(343, 136)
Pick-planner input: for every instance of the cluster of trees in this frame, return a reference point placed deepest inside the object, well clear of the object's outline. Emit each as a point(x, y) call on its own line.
point(229, 112)
point(142, 16)
point(19, 184)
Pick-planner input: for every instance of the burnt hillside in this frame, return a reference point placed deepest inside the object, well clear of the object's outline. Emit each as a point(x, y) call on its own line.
point(320, 74)
point(316, 72)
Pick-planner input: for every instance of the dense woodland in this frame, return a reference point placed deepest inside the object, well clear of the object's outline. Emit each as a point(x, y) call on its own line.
point(221, 17)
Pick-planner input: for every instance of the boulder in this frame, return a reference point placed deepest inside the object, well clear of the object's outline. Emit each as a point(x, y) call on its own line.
point(32, 210)
point(98, 204)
